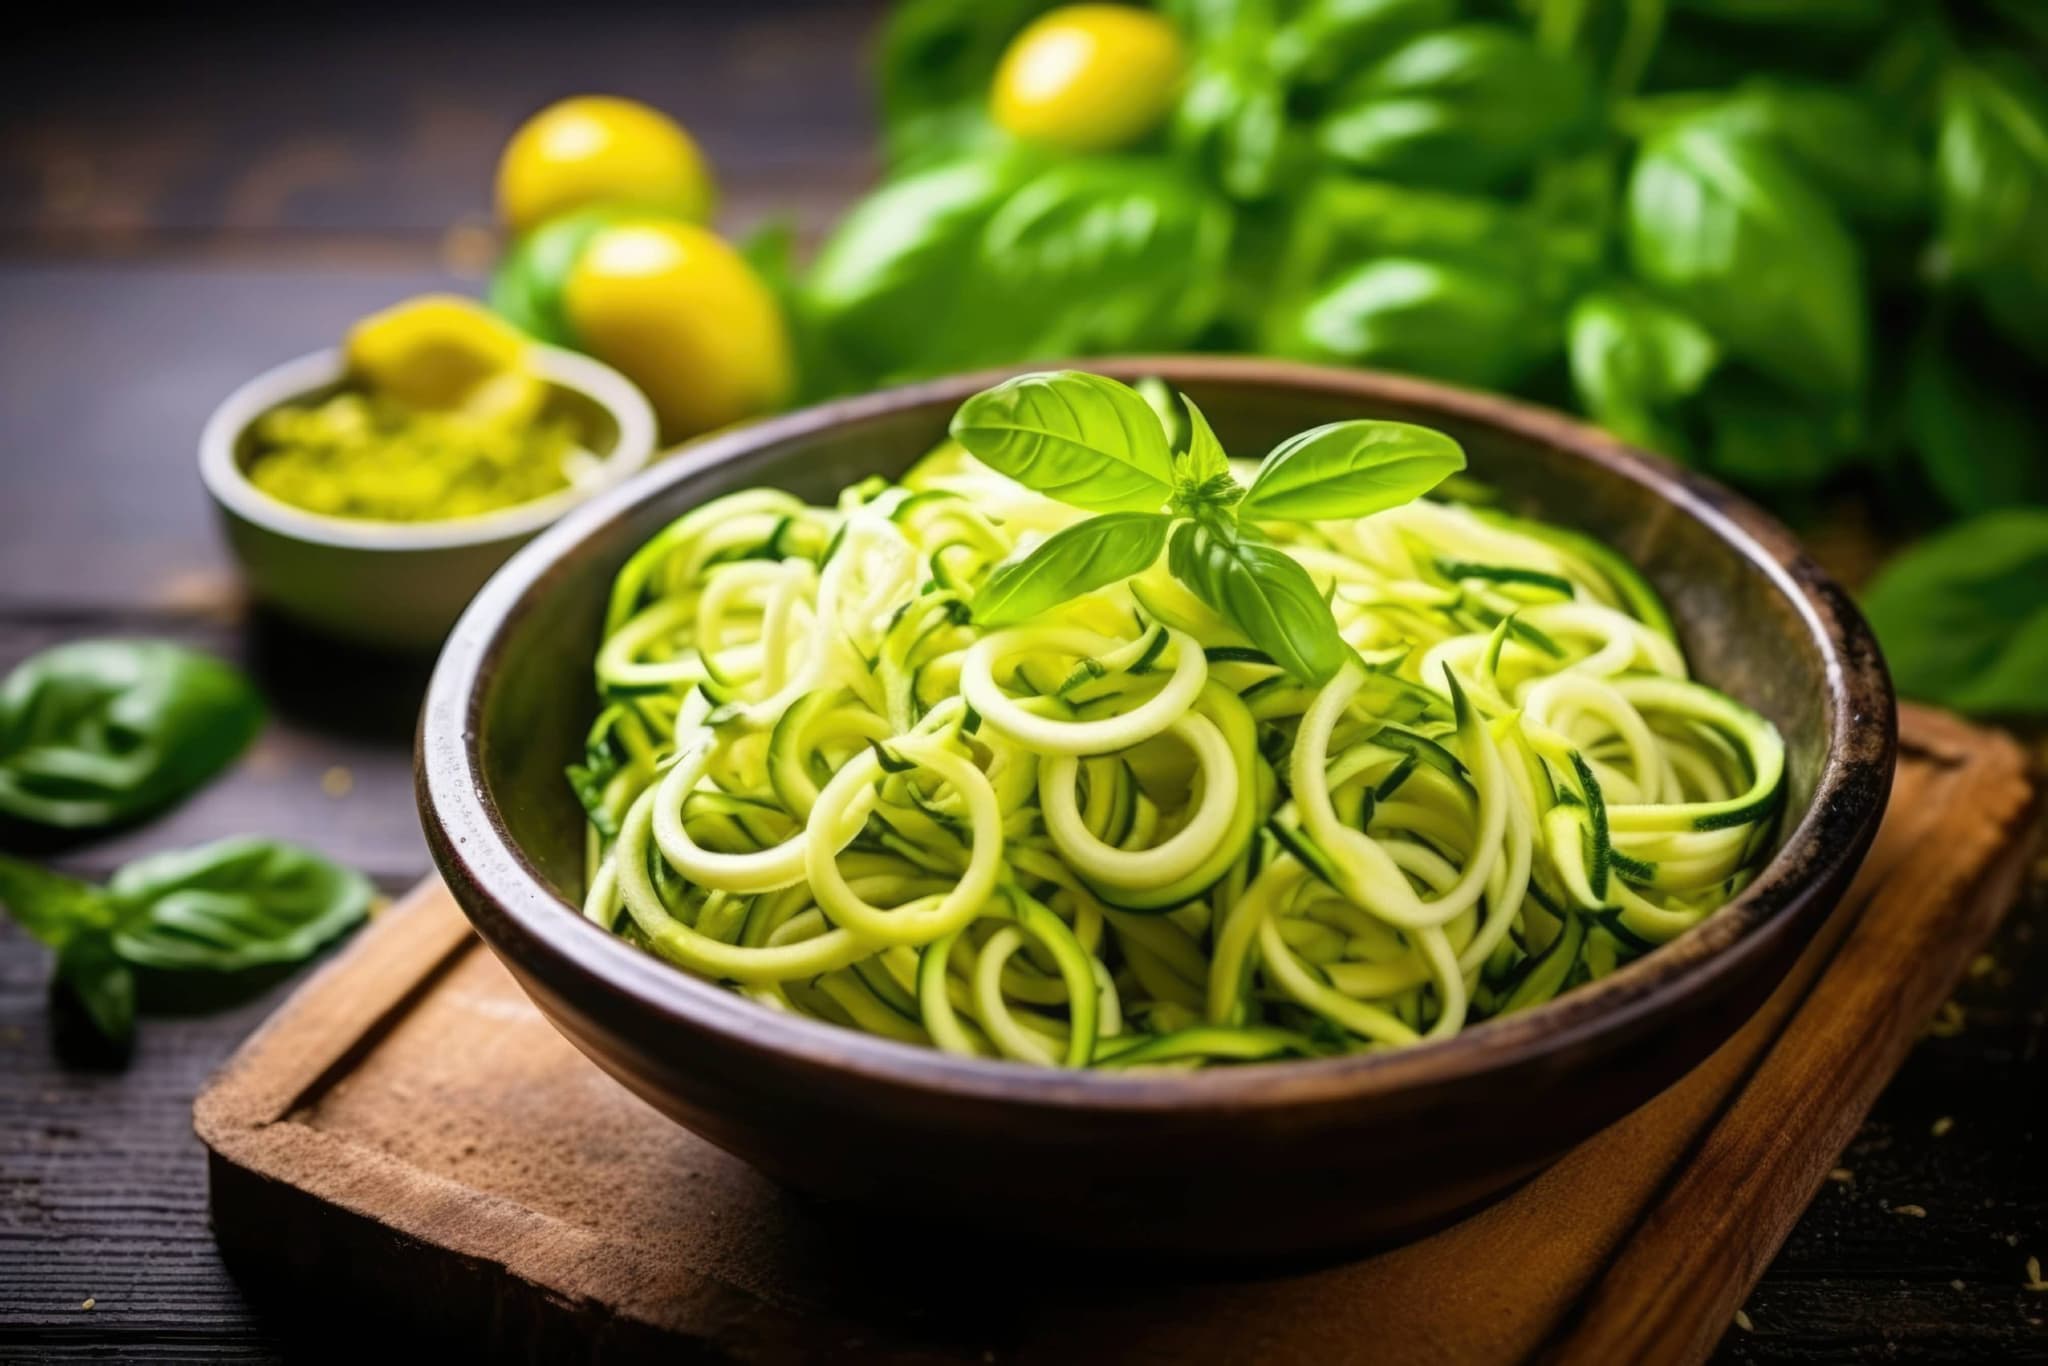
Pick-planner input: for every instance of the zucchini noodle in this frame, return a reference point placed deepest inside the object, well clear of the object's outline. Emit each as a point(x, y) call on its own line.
point(1119, 836)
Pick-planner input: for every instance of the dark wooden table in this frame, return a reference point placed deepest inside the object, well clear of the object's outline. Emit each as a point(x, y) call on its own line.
point(183, 204)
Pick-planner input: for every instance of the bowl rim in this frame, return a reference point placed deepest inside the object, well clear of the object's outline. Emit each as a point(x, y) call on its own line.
point(231, 487)
point(547, 938)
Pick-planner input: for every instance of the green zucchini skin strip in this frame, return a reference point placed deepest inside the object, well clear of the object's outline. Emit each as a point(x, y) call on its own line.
point(1119, 836)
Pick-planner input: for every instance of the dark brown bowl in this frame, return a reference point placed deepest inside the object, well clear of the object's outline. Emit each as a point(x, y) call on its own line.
point(1275, 1158)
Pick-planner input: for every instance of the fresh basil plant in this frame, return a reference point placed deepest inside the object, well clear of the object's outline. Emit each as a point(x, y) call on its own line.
point(96, 732)
point(1095, 444)
point(1796, 243)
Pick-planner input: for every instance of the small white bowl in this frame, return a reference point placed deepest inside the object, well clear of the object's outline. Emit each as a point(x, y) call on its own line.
point(398, 585)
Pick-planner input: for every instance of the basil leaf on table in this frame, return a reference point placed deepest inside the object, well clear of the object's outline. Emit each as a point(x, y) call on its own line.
point(1106, 254)
point(76, 919)
point(1463, 107)
point(1720, 224)
point(1264, 592)
point(1991, 166)
point(99, 731)
point(90, 968)
point(1075, 560)
point(51, 906)
point(222, 907)
point(1633, 359)
point(1452, 321)
point(1350, 469)
point(1085, 440)
point(233, 905)
point(1963, 617)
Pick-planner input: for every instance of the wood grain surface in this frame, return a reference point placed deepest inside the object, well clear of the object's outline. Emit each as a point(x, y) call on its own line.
point(410, 1133)
point(185, 200)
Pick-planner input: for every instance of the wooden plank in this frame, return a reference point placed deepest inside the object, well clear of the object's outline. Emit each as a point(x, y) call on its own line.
point(541, 1199)
point(1691, 1264)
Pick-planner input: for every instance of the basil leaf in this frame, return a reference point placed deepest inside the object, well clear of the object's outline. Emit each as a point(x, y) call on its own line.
point(1104, 255)
point(1761, 436)
point(1463, 107)
point(1991, 167)
point(1633, 359)
point(49, 905)
point(1083, 439)
point(1724, 227)
point(1203, 478)
point(1962, 616)
point(1342, 221)
point(1075, 560)
point(234, 904)
point(526, 288)
point(1264, 592)
point(1972, 420)
point(897, 287)
point(937, 58)
point(771, 250)
point(1232, 119)
point(1341, 226)
point(1457, 322)
point(104, 986)
point(1206, 458)
point(1328, 38)
point(99, 731)
point(1166, 406)
point(1349, 469)
point(1773, 13)
point(1885, 177)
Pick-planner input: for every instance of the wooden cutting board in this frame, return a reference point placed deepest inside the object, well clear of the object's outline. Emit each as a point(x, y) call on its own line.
point(408, 1135)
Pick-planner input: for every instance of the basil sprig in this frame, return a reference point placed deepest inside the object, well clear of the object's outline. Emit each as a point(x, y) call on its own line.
point(96, 732)
point(224, 907)
point(1093, 443)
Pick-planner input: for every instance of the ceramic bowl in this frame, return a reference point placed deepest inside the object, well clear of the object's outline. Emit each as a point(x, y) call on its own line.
point(399, 585)
point(1277, 1158)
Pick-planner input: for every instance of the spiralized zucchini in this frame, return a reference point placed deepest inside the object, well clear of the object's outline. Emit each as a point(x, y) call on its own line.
point(1119, 836)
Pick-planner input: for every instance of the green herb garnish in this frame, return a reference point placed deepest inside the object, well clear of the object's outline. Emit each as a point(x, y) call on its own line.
point(1096, 444)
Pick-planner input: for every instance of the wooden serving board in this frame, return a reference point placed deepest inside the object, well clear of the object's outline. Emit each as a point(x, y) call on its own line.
point(410, 1136)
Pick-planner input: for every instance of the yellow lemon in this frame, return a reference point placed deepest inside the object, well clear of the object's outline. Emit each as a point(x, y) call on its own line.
point(443, 351)
point(1089, 78)
point(683, 316)
point(597, 149)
